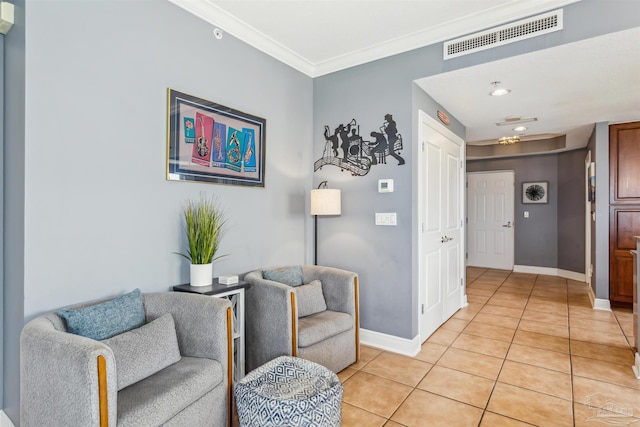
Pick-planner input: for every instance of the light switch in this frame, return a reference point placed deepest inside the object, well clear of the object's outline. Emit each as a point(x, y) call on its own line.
point(526, 214)
point(386, 218)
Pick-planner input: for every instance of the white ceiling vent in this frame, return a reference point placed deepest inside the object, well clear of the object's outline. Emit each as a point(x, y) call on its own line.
point(513, 32)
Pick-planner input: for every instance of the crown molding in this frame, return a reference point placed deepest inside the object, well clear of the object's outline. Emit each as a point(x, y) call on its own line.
point(213, 14)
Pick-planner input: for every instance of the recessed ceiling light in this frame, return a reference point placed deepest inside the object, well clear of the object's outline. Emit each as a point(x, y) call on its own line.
point(520, 129)
point(498, 91)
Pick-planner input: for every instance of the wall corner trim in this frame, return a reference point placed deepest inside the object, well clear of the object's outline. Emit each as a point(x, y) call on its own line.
point(4, 420)
point(598, 303)
point(407, 347)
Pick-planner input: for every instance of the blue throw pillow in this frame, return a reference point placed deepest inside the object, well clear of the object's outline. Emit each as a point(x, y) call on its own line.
point(291, 276)
point(106, 319)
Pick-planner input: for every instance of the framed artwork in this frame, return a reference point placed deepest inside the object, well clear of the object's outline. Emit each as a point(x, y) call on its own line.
point(208, 142)
point(535, 192)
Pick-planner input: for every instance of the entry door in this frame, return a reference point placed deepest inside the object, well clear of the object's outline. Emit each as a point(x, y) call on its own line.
point(490, 220)
point(441, 262)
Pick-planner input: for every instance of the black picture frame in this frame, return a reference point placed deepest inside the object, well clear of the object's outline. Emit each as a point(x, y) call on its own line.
point(535, 192)
point(210, 143)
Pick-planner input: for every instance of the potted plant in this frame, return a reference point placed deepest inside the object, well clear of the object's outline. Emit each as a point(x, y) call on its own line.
point(204, 223)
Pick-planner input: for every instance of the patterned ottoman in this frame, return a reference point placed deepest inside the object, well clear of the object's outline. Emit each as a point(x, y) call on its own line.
point(289, 391)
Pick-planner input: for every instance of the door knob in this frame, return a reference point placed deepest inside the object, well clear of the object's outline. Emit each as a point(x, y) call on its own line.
point(507, 225)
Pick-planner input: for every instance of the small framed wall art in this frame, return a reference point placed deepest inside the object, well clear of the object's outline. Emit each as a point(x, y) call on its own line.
point(208, 142)
point(535, 192)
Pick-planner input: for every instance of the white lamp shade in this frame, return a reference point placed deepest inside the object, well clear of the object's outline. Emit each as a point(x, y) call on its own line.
point(325, 201)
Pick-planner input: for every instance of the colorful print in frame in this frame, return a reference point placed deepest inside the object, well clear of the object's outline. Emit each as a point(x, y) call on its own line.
point(208, 142)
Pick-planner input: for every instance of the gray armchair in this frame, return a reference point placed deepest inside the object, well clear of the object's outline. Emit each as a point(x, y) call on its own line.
point(273, 327)
point(71, 380)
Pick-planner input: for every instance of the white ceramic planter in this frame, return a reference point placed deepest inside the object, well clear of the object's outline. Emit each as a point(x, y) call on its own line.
point(201, 274)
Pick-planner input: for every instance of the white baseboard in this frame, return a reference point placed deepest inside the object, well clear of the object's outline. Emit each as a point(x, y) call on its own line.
point(390, 342)
point(599, 303)
point(4, 420)
point(548, 271)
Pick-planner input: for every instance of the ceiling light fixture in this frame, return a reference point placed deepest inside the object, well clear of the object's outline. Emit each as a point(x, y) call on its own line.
point(509, 140)
point(498, 91)
point(520, 129)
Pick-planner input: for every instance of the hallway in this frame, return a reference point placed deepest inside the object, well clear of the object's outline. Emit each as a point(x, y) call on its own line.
point(528, 350)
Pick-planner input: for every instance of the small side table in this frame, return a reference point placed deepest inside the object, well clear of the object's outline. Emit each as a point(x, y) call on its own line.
point(235, 294)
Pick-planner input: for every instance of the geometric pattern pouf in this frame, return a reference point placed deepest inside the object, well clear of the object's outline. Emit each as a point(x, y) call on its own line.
point(289, 391)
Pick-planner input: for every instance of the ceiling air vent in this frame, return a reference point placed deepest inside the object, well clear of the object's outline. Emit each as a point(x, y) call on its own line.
point(516, 31)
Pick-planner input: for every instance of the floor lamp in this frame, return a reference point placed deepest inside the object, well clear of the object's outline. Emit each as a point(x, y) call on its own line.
point(324, 201)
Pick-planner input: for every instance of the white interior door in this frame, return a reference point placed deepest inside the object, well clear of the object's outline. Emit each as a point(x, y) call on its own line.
point(588, 268)
point(490, 219)
point(441, 243)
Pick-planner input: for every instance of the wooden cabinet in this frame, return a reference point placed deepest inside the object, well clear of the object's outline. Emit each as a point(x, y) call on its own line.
point(624, 208)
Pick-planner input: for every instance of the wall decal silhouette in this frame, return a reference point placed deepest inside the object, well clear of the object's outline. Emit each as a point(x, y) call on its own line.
point(345, 148)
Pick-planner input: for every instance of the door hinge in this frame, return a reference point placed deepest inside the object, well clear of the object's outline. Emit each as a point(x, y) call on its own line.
point(467, 255)
point(423, 146)
point(422, 310)
point(423, 227)
point(461, 282)
point(460, 164)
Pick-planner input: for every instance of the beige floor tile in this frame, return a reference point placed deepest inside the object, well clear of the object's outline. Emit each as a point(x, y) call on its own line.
point(539, 316)
point(506, 290)
point(547, 342)
point(608, 327)
point(502, 311)
point(443, 337)
point(544, 328)
point(530, 406)
point(482, 345)
point(454, 324)
point(356, 417)
point(366, 355)
point(586, 416)
point(548, 359)
point(479, 291)
point(393, 424)
point(425, 409)
point(543, 307)
point(403, 369)
point(346, 373)
point(589, 313)
point(623, 356)
point(496, 320)
point(504, 302)
point(489, 419)
point(479, 299)
point(471, 363)
point(431, 352)
point(602, 395)
point(374, 394)
point(467, 313)
point(533, 378)
point(456, 385)
point(489, 331)
point(604, 371)
point(616, 340)
point(484, 286)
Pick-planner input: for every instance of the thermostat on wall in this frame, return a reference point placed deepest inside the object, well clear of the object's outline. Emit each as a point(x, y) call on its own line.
point(385, 186)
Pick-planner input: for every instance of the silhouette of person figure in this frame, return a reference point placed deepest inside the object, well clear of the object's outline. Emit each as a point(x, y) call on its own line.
point(333, 139)
point(344, 136)
point(392, 135)
point(379, 146)
point(354, 139)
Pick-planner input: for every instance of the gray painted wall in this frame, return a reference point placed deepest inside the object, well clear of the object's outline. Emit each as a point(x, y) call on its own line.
point(89, 211)
point(571, 210)
point(553, 235)
point(602, 210)
point(591, 146)
point(2, 219)
point(14, 238)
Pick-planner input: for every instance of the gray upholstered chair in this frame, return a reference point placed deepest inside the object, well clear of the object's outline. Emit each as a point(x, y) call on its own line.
point(274, 328)
point(71, 380)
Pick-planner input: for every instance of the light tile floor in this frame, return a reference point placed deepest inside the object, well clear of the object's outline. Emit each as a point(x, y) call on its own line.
point(528, 350)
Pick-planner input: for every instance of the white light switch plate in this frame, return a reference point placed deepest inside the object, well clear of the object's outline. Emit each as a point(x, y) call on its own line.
point(390, 218)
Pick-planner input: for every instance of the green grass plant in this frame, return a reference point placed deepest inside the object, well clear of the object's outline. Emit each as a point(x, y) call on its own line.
point(204, 222)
